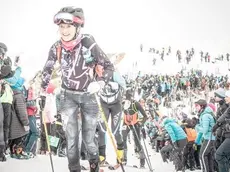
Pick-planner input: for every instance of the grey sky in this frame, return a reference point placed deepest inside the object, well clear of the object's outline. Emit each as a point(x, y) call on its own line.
point(27, 26)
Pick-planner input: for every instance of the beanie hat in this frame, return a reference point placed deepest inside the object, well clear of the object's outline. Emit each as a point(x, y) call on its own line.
point(220, 92)
point(201, 102)
point(212, 106)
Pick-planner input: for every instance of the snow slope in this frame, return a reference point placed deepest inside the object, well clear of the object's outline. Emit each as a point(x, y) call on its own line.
point(135, 61)
point(42, 163)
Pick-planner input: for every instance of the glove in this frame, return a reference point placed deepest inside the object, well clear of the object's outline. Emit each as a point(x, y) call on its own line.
point(27, 128)
point(143, 133)
point(94, 87)
point(195, 147)
point(214, 128)
point(175, 145)
point(101, 83)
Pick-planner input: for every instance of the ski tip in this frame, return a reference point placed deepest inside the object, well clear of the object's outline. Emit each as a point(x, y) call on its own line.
point(111, 167)
point(83, 168)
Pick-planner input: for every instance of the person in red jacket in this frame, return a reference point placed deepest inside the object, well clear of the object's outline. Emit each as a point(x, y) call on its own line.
point(31, 142)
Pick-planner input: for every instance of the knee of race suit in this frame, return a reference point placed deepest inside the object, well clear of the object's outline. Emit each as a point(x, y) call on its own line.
point(102, 150)
point(120, 146)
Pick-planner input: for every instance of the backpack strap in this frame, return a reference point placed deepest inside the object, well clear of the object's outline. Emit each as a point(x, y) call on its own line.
point(92, 45)
point(134, 108)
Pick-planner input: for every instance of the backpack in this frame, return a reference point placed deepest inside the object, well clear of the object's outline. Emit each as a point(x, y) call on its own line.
point(191, 134)
point(131, 119)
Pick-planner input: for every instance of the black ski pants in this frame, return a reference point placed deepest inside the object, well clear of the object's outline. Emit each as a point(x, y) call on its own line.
point(136, 129)
point(189, 158)
point(207, 155)
point(115, 110)
point(222, 156)
point(6, 120)
point(165, 151)
point(196, 155)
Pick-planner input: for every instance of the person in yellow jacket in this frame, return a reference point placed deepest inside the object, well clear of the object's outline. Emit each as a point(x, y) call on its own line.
point(6, 99)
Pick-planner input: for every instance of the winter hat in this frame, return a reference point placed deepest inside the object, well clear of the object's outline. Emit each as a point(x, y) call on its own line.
point(3, 48)
point(5, 71)
point(220, 92)
point(201, 102)
point(227, 93)
point(212, 106)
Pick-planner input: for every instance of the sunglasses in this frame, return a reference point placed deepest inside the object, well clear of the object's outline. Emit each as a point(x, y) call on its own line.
point(66, 18)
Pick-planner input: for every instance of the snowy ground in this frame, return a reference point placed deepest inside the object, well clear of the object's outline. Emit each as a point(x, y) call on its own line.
point(42, 163)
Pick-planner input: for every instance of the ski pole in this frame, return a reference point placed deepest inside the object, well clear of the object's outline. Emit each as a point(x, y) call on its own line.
point(139, 142)
point(47, 140)
point(109, 131)
point(147, 153)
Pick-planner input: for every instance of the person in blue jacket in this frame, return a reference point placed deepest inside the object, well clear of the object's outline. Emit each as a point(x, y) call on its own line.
point(206, 123)
point(16, 81)
point(178, 138)
point(176, 133)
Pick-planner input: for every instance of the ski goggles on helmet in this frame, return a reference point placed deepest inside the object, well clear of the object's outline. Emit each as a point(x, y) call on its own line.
point(66, 18)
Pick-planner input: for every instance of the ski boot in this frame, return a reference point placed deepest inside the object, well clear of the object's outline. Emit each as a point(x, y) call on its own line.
point(124, 162)
point(103, 162)
point(42, 152)
point(124, 158)
point(120, 154)
point(192, 169)
point(198, 167)
point(142, 163)
point(165, 159)
point(94, 165)
point(21, 155)
point(61, 153)
point(183, 169)
point(2, 158)
point(30, 155)
point(2, 155)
